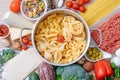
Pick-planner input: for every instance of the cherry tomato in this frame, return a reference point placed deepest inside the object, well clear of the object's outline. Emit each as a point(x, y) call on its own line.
point(24, 48)
point(69, 4)
point(60, 38)
point(30, 43)
point(25, 40)
point(81, 2)
point(75, 6)
point(86, 1)
point(82, 9)
point(17, 0)
point(15, 6)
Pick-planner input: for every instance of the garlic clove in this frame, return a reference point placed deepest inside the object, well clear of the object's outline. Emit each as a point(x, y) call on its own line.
point(117, 53)
point(60, 3)
point(4, 42)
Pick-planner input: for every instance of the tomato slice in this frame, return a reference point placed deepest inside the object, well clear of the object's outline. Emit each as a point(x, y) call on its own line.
point(60, 38)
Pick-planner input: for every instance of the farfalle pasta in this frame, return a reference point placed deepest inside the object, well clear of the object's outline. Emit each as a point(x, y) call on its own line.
point(73, 35)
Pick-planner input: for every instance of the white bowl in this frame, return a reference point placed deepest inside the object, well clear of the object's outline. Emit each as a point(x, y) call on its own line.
point(65, 12)
point(2, 23)
point(105, 56)
point(21, 8)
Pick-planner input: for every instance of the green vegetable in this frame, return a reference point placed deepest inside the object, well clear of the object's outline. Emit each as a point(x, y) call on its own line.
point(113, 65)
point(6, 54)
point(91, 76)
point(116, 70)
point(109, 78)
point(33, 76)
point(59, 77)
point(1, 59)
point(71, 72)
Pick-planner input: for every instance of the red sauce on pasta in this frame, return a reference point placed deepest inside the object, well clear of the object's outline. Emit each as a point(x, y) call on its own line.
point(3, 30)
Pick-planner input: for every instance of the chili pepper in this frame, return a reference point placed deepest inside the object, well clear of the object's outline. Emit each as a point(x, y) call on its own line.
point(102, 69)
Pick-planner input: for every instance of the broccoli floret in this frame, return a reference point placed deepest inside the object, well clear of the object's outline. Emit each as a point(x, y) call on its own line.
point(71, 72)
point(6, 55)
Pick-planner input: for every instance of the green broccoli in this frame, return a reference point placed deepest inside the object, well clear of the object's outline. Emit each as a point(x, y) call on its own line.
point(71, 72)
point(6, 54)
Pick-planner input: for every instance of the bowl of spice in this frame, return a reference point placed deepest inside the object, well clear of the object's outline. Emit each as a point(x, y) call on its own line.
point(33, 9)
point(4, 30)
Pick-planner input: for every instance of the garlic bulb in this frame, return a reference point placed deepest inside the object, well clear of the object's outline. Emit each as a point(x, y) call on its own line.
point(116, 60)
point(4, 42)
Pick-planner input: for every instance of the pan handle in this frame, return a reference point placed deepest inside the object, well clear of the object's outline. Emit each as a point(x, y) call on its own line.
point(100, 35)
point(21, 36)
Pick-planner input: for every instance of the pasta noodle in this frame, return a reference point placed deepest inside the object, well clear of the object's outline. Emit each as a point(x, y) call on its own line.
point(60, 52)
point(98, 9)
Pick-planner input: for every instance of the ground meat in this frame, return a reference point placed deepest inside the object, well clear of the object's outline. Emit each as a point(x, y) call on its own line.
point(110, 34)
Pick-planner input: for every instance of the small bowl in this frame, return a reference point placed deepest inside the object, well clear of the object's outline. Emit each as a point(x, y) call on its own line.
point(6, 25)
point(105, 56)
point(22, 11)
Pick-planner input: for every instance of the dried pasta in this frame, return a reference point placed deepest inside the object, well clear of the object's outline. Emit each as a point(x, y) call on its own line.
point(60, 52)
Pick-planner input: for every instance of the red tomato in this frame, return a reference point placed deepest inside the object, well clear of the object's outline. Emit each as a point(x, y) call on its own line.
point(15, 6)
point(82, 9)
point(86, 1)
point(81, 2)
point(60, 38)
point(69, 4)
point(17, 0)
point(75, 6)
point(25, 40)
point(30, 43)
point(24, 48)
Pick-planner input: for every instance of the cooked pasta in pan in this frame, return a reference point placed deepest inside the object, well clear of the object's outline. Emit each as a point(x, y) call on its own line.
point(60, 38)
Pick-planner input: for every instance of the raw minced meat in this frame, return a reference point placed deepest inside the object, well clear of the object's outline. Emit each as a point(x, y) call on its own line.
point(110, 34)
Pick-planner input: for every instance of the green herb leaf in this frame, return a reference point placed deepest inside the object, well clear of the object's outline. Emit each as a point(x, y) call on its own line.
point(113, 65)
point(91, 76)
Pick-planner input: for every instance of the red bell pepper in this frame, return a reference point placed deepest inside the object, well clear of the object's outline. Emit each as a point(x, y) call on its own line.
point(102, 69)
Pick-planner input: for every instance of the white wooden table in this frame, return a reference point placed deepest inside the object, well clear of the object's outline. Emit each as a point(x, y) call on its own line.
point(4, 7)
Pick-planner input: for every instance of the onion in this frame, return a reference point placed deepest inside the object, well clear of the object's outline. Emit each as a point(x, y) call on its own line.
point(46, 71)
point(116, 60)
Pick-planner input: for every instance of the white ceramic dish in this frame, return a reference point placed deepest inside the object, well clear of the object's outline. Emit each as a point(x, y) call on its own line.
point(105, 56)
point(2, 23)
point(21, 8)
point(97, 24)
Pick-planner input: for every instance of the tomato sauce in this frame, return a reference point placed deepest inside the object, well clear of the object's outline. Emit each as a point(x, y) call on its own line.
point(3, 30)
